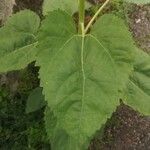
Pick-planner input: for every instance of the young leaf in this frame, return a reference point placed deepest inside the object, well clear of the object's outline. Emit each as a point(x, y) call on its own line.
point(35, 100)
point(78, 76)
point(115, 37)
point(18, 41)
point(25, 21)
point(138, 1)
point(70, 6)
point(137, 93)
point(18, 59)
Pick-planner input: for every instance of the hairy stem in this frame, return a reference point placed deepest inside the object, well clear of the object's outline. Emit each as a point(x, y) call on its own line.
point(81, 16)
point(95, 16)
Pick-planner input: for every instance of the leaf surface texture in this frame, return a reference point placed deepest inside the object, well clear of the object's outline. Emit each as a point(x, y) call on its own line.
point(115, 37)
point(69, 6)
point(18, 41)
point(137, 93)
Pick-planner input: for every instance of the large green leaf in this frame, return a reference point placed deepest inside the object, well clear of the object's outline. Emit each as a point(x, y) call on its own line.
point(18, 41)
point(138, 1)
point(70, 6)
point(78, 76)
point(81, 96)
point(115, 37)
point(137, 93)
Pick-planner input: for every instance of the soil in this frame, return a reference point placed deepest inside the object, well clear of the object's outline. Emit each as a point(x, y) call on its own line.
point(127, 129)
point(139, 22)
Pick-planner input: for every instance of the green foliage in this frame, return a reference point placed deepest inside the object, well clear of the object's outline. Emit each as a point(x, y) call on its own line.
point(22, 23)
point(18, 59)
point(35, 100)
point(137, 93)
point(110, 30)
point(18, 41)
point(19, 130)
point(67, 5)
point(82, 76)
point(70, 6)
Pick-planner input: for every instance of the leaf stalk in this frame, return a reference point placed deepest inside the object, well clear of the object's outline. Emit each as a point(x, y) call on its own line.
point(81, 16)
point(95, 16)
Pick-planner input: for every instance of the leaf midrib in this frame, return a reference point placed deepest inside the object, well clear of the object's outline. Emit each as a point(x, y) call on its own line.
point(83, 74)
point(83, 84)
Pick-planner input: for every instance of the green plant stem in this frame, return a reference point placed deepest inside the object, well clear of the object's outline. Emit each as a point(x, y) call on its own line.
point(95, 16)
point(81, 16)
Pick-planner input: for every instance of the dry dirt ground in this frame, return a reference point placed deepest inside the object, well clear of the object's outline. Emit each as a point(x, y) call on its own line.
point(139, 22)
point(125, 130)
